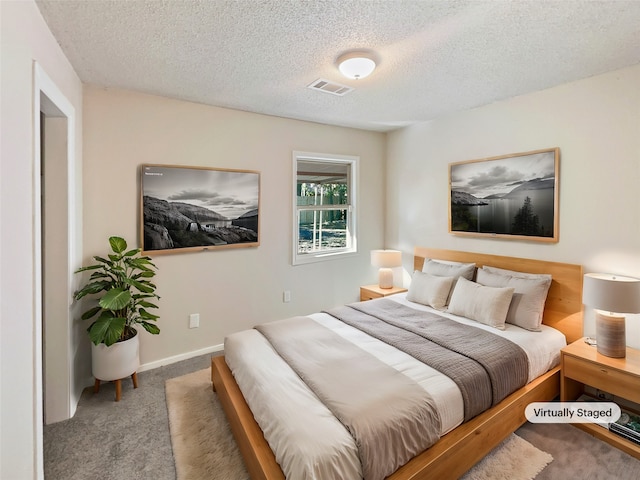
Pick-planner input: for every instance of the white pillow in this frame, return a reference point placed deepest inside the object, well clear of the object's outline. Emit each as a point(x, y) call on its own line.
point(429, 290)
point(529, 295)
point(488, 305)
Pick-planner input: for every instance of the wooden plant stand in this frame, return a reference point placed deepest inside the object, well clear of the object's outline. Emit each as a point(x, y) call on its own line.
point(134, 377)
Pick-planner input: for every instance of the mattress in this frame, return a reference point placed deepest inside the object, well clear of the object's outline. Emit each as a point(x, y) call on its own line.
point(309, 443)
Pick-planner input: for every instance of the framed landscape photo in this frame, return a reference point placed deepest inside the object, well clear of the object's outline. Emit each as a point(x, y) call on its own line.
point(512, 196)
point(198, 208)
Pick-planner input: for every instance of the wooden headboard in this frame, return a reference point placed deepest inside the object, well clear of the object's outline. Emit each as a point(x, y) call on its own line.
point(563, 308)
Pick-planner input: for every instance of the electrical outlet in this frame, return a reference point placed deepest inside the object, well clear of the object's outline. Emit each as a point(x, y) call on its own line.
point(604, 395)
point(194, 320)
point(286, 296)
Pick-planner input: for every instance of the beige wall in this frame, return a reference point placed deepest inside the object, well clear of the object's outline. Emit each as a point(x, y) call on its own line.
point(596, 124)
point(231, 289)
point(25, 38)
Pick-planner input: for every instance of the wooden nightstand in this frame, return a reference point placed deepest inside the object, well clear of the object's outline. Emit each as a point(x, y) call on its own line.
point(369, 292)
point(581, 365)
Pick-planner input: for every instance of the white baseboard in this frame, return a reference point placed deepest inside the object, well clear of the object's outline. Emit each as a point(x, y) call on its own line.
point(179, 358)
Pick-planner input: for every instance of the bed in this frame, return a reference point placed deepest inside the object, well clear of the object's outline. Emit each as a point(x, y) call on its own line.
point(459, 448)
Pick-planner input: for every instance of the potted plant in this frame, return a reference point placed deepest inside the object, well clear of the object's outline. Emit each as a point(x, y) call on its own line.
point(123, 281)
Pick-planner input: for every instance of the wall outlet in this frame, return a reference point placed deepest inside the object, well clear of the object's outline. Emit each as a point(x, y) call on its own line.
point(604, 395)
point(194, 320)
point(286, 296)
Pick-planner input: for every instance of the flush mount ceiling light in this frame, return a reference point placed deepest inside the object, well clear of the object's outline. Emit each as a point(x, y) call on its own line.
point(356, 65)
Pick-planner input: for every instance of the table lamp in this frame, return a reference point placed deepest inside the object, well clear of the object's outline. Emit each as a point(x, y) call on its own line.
point(385, 260)
point(611, 296)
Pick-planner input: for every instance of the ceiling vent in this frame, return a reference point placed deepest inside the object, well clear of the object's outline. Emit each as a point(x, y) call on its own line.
point(330, 87)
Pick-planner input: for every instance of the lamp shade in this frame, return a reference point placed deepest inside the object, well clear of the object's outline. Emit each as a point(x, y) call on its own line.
point(386, 258)
point(612, 293)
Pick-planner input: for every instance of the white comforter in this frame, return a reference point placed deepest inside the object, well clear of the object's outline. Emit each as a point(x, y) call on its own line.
point(308, 441)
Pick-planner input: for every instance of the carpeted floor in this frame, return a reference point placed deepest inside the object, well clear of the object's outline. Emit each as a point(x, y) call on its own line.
point(576, 454)
point(130, 439)
point(123, 440)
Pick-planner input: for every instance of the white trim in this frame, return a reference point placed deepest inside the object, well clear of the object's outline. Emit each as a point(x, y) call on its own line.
point(179, 358)
point(353, 196)
point(44, 85)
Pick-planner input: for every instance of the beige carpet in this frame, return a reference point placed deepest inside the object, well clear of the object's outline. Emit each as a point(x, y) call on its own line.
point(203, 446)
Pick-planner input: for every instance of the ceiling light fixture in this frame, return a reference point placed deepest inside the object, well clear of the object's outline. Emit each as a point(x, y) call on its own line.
point(356, 65)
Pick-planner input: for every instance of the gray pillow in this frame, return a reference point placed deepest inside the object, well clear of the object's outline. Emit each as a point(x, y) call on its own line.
point(529, 295)
point(513, 273)
point(449, 269)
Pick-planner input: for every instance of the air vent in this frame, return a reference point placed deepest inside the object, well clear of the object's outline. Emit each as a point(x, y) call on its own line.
point(330, 87)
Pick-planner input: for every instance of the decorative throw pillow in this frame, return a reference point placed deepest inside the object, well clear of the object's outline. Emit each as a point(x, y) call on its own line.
point(429, 290)
point(529, 295)
point(488, 305)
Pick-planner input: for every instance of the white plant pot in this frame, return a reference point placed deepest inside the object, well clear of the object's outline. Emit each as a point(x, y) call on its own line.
point(118, 361)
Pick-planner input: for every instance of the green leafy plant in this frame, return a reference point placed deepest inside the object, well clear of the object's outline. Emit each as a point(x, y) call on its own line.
point(125, 278)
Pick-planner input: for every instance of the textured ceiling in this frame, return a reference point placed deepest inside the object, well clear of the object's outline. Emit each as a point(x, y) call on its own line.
point(435, 57)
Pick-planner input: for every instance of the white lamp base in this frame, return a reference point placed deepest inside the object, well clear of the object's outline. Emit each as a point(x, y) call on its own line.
point(385, 278)
point(610, 335)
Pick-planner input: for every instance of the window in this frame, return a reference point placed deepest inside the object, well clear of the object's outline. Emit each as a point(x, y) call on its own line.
point(324, 216)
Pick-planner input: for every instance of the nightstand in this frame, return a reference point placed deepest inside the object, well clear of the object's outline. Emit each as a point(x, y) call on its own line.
point(369, 292)
point(581, 365)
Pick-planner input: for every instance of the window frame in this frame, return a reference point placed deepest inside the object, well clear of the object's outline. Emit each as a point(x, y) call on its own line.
point(350, 206)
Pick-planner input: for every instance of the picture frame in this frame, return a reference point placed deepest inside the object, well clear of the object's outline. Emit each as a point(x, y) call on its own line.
point(185, 208)
point(511, 196)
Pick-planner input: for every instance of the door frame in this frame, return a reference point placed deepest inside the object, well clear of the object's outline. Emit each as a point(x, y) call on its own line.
point(48, 98)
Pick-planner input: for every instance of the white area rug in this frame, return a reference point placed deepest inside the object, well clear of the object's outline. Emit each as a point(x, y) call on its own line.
point(203, 446)
point(513, 459)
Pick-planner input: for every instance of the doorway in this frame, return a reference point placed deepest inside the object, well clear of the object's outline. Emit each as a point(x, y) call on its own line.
point(54, 241)
point(57, 252)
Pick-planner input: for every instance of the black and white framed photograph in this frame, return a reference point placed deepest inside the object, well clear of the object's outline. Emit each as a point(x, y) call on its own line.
point(198, 208)
point(511, 196)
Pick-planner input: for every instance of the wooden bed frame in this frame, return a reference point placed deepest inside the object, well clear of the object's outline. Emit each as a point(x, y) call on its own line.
point(462, 448)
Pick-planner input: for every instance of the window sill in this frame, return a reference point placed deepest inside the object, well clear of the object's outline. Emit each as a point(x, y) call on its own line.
point(322, 257)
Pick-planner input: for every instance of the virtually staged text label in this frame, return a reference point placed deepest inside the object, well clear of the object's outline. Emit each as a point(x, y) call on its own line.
point(572, 412)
